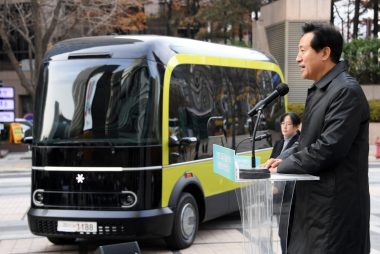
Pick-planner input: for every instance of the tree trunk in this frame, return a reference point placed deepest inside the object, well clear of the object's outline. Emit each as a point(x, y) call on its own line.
point(375, 17)
point(348, 25)
point(356, 19)
point(240, 32)
point(168, 18)
point(37, 29)
point(375, 33)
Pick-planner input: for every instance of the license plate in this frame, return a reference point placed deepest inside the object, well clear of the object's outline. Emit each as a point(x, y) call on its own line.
point(77, 226)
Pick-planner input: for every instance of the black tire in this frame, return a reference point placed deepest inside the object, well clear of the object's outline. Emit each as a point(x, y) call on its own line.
point(61, 241)
point(185, 226)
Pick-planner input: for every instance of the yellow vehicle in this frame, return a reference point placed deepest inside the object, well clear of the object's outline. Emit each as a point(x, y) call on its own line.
point(123, 134)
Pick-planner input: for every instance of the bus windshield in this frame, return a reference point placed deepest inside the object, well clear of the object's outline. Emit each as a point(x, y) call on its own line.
point(106, 101)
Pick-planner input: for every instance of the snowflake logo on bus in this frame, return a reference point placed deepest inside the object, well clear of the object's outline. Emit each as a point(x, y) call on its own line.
point(80, 178)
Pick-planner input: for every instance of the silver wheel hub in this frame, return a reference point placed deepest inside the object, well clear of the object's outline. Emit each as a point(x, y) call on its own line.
point(188, 223)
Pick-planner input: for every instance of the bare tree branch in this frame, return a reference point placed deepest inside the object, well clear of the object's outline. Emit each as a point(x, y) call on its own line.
point(17, 21)
point(8, 50)
point(50, 30)
point(341, 19)
point(103, 19)
point(38, 23)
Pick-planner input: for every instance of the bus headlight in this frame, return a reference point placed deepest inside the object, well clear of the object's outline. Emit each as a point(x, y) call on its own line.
point(38, 197)
point(128, 199)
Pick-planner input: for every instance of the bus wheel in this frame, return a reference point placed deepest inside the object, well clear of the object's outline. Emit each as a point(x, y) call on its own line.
point(61, 241)
point(185, 227)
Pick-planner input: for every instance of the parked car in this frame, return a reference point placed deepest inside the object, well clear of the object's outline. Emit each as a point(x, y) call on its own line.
point(26, 125)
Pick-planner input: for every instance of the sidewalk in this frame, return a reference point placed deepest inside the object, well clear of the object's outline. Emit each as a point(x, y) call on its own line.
point(16, 162)
point(17, 239)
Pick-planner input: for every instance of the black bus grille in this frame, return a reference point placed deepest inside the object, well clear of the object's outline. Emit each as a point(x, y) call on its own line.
point(49, 227)
point(87, 200)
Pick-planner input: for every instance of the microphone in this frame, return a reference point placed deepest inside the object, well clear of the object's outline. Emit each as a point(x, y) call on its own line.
point(263, 136)
point(258, 138)
point(280, 90)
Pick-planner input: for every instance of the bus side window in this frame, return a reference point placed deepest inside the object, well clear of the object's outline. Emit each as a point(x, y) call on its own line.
point(191, 105)
point(211, 104)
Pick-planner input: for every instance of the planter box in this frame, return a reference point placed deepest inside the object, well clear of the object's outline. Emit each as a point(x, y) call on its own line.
point(372, 92)
point(374, 132)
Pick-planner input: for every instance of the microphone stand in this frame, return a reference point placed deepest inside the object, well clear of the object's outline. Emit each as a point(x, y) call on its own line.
point(253, 163)
point(255, 173)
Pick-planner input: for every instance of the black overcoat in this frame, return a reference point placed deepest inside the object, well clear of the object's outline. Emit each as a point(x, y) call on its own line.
point(332, 215)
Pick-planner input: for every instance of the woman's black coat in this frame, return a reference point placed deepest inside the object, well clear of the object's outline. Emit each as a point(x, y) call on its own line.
point(277, 148)
point(283, 200)
point(332, 215)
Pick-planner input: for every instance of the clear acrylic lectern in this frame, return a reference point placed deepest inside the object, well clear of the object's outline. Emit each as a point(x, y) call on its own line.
point(265, 208)
point(264, 200)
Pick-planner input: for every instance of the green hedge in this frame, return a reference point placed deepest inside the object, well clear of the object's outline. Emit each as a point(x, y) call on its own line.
point(361, 56)
point(374, 108)
point(297, 108)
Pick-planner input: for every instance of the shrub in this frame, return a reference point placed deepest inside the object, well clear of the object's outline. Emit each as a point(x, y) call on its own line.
point(297, 108)
point(361, 56)
point(374, 109)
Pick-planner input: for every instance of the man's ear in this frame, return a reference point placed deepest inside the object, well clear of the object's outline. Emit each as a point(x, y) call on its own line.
point(326, 53)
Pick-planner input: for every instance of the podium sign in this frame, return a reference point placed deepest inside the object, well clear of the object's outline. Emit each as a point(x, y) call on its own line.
point(224, 162)
point(227, 164)
point(7, 104)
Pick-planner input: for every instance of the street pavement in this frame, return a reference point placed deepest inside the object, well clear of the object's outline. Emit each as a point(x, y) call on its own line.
point(219, 236)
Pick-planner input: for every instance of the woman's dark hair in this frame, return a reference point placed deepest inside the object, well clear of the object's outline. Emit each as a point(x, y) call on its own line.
point(325, 35)
point(296, 120)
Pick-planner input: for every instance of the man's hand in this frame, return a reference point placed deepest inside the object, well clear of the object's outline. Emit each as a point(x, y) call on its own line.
point(272, 165)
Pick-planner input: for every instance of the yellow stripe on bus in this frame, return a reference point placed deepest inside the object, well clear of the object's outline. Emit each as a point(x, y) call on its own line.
point(203, 170)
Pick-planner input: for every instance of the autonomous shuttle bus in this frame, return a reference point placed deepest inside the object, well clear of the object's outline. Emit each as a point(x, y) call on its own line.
point(124, 129)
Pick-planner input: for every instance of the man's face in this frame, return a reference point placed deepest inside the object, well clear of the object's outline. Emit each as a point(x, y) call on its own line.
point(310, 61)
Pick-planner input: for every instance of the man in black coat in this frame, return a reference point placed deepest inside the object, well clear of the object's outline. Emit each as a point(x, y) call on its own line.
point(330, 215)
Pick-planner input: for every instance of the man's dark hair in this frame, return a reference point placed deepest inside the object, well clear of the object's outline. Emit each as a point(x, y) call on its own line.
point(296, 120)
point(325, 35)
